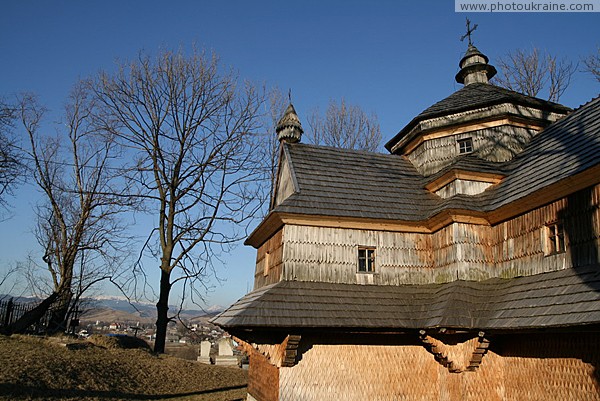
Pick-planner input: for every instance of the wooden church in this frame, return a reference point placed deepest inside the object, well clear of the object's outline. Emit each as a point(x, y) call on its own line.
point(461, 266)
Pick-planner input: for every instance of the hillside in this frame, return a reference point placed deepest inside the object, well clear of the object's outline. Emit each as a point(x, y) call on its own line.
point(104, 314)
point(44, 369)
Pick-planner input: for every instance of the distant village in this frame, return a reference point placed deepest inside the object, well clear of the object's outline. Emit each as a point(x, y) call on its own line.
point(178, 332)
point(193, 338)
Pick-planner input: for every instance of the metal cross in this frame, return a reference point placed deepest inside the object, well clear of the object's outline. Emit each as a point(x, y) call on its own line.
point(469, 32)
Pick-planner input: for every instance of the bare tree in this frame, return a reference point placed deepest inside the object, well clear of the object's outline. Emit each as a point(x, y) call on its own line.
point(530, 72)
point(78, 222)
point(344, 126)
point(193, 133)
point(592, 64)
point(7, 285)
point(11, 169)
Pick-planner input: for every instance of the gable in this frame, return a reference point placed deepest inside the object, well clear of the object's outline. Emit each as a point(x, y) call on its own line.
point(285, 186)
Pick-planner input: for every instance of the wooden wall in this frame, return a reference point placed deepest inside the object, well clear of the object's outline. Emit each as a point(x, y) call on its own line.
point(551, 367)
point(518, 367)
point(285, 185)
point(330, 254)
point(269, 256)
point(495, 144)
point(458, 186)
point(263, 378)
point(459, 251)
point(519, 244)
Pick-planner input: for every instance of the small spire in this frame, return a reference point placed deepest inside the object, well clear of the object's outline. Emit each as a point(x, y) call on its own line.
point(474, 67)
point(469, 32)
point(289, 128)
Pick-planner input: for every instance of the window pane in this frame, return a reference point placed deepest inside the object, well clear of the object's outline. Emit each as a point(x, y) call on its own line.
point(465, 145)
point(551, 246)
point(560, 243)
point(362, 265)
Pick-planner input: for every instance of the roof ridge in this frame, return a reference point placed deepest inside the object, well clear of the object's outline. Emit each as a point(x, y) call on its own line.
point(586, 103)
point(336, 149)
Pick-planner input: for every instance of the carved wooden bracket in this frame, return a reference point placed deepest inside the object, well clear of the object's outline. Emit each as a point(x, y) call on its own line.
point(478, 354)
point(441, 351)
point(279, 355)
point(290, 352)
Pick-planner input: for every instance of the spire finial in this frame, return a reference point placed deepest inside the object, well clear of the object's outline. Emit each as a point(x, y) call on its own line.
point(469, 32)
point(289, 128)
point(474, 67)
point(290, 95)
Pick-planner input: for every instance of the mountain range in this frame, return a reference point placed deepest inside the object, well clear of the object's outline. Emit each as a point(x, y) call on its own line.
point(119, 309)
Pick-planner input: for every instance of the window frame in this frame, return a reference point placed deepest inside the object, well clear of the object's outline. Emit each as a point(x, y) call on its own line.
point(369, 258)
point(468, 145)
point(266, 266)
point(555, 238)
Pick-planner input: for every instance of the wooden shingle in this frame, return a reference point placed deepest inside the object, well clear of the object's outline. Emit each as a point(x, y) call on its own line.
point(554, 299)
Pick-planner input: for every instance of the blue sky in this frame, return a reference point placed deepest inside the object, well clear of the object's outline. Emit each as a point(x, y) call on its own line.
point(390, 57)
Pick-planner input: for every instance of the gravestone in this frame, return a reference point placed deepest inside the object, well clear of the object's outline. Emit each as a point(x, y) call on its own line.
point(204, 356)
point(226, 356)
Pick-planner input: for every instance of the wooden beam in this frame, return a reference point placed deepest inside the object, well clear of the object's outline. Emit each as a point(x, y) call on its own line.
point(265, 230)
point(351, 222)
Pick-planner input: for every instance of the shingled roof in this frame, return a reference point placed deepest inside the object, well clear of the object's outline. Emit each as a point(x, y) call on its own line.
point(569, 297)
point(348, 183)
point(476, 96)
point(336, 182)
point(564, 149)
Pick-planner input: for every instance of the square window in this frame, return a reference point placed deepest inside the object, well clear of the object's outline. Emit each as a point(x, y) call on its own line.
point(465, 145)
point(555, 238)
point(366, 260)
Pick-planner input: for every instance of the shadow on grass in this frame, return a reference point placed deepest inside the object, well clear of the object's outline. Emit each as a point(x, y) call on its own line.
point(29, 392)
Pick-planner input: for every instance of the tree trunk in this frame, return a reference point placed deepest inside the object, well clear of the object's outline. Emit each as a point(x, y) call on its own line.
point(162, 309)
point(58, 317)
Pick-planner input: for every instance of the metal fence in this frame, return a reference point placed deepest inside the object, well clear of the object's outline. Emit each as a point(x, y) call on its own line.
point(11, 311)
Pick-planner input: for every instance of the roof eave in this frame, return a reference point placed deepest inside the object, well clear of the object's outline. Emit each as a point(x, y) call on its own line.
point(270, 224)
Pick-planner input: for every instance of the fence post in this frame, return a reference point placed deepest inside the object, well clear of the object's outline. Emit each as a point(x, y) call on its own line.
point(9, 309)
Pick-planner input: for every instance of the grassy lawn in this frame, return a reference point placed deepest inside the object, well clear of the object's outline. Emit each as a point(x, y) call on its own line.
point(45, 369)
